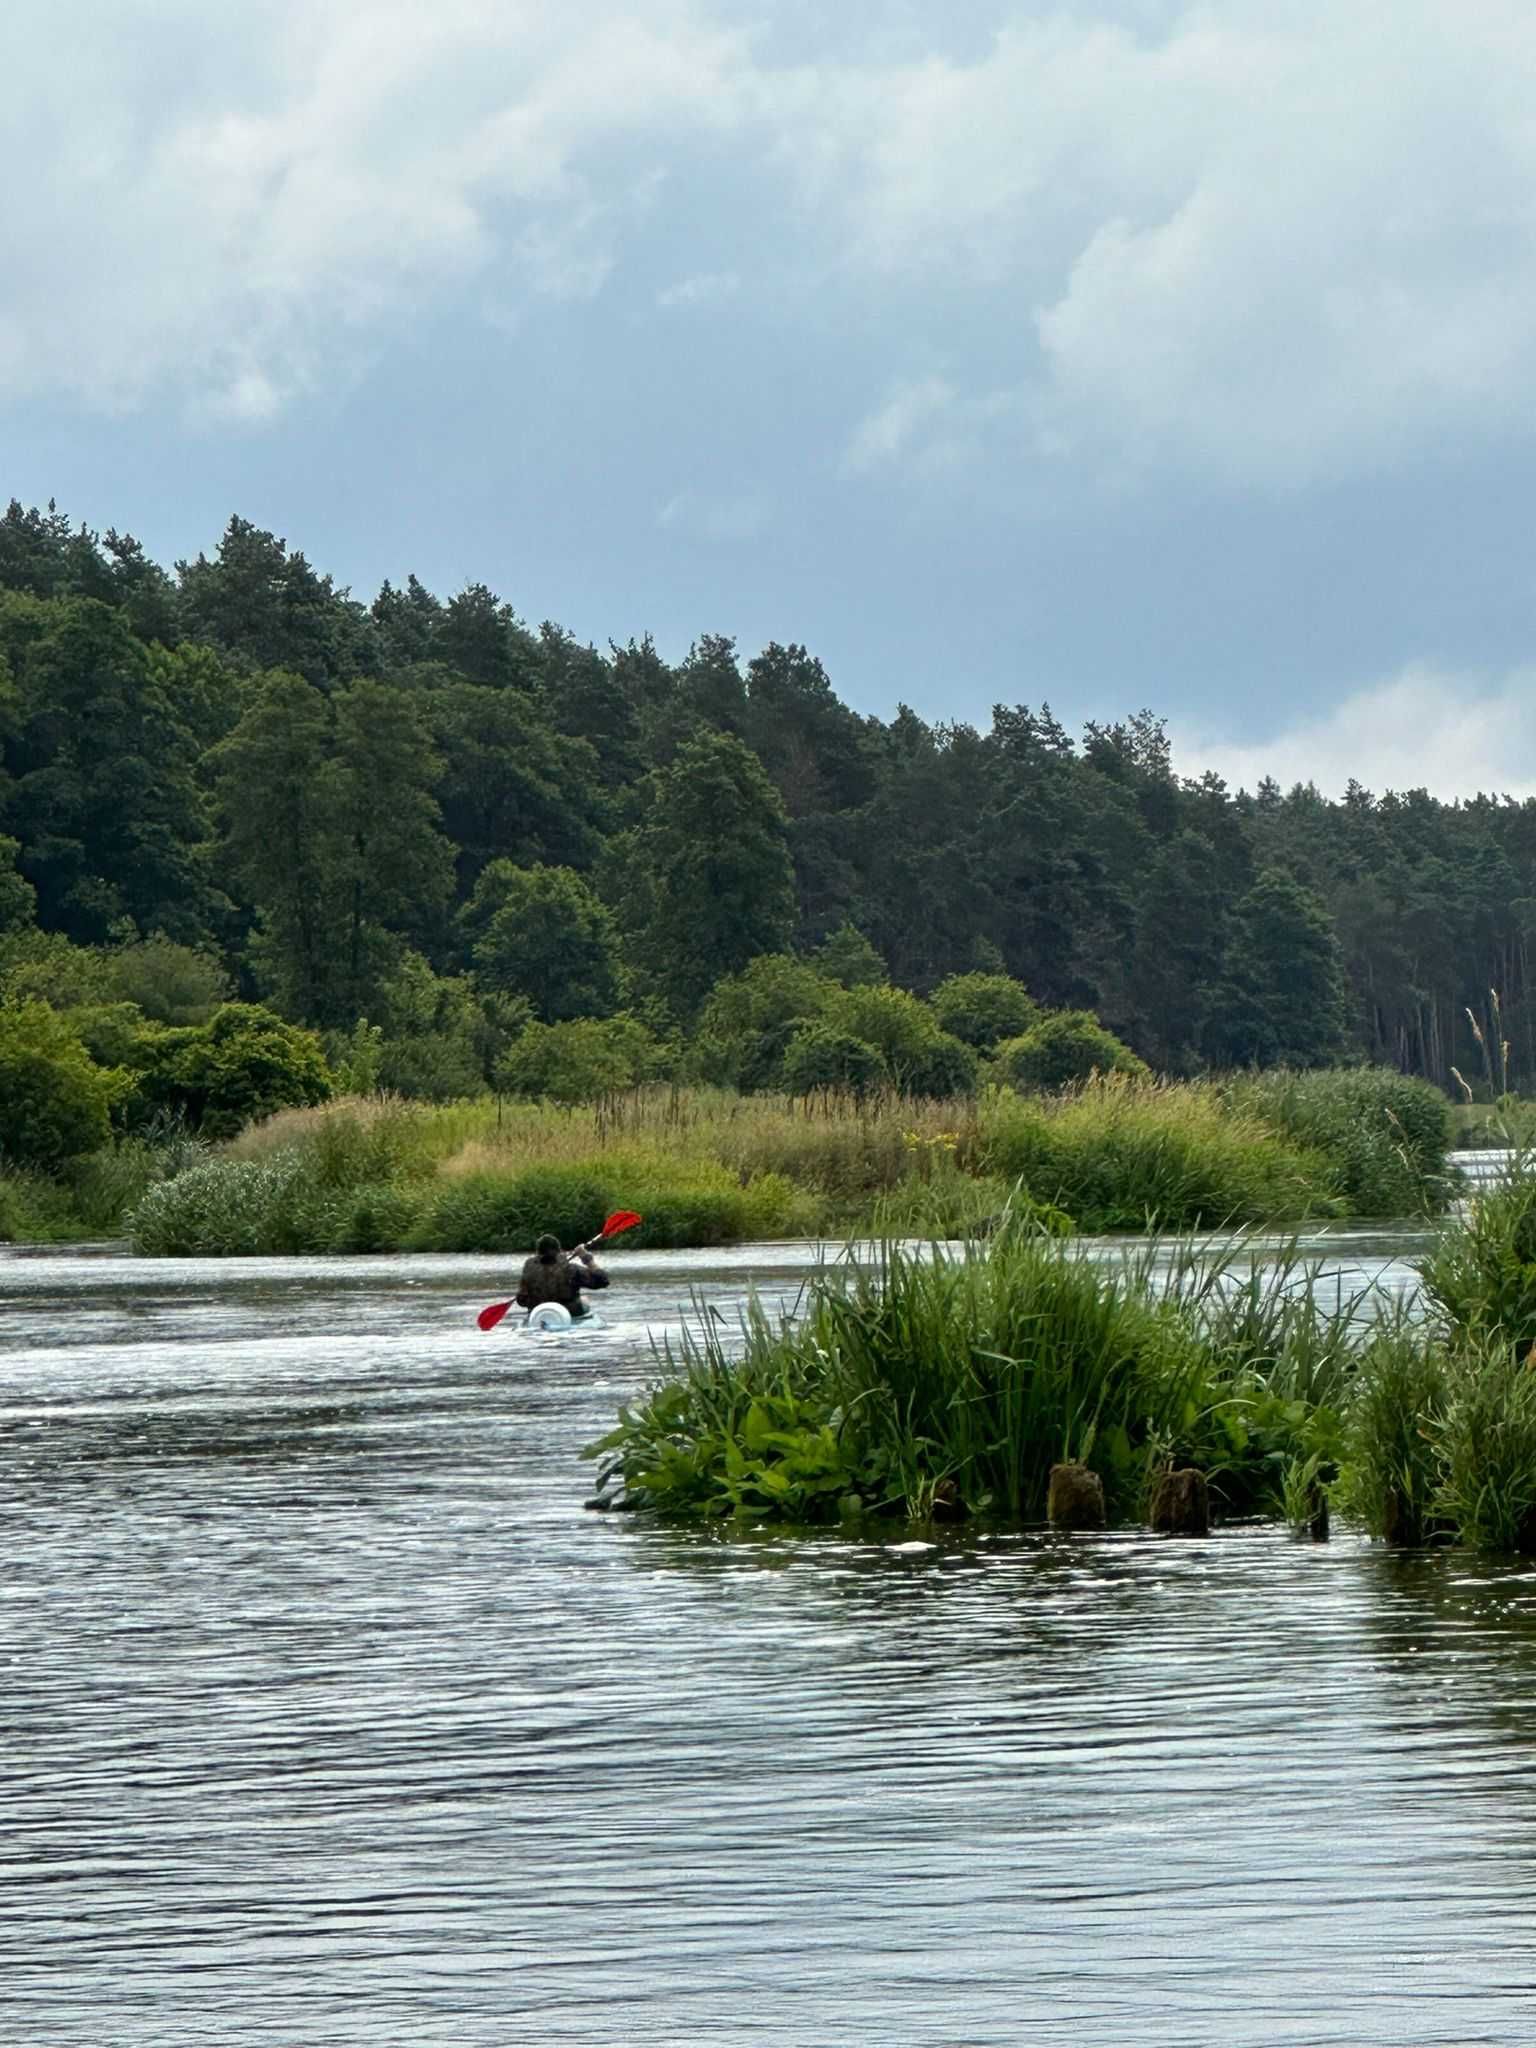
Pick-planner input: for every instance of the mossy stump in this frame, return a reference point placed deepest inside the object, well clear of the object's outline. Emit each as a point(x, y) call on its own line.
point(1074, 1498)
point(1181, 1503)
point(947, 1505)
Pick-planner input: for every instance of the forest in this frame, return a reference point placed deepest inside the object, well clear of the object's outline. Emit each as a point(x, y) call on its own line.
point(437, 834)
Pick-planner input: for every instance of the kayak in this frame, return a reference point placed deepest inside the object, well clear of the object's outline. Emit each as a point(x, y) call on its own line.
point(553, 1319)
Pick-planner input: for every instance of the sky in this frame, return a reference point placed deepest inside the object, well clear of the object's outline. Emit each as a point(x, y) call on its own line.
point(1113, 354)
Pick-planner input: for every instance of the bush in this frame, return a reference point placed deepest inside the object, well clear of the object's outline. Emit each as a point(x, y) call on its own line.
point(171, 983)
point(961, 1379)
point(233, 1208)
point(1119, 1153)
point(750, 1018)
point(380, 1216)
point(1063, 1047)
point(1385, 1134)
point(819, 1057)
point(244, 1063)
point(581, 1060)
point(35, 1209)
point(984, 1009)
point(55, 1102)
point(1487, 1449)
point(1391, 1475)
point(488, 1212)
point(1482, 1273)
point(941, 1069)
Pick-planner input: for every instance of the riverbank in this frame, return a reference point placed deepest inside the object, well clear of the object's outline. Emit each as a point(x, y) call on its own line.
point(711, 1166)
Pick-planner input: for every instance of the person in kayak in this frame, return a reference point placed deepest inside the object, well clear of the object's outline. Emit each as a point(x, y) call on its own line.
point(556, 1275)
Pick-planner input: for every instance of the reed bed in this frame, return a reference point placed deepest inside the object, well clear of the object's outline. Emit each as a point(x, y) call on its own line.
point(708, 1165)
point(953, 1380)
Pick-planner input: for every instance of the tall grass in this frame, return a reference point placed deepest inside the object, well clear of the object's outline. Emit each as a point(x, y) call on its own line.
point(961, 1378)
point(1118, 1153)
point(1481, 1276)
point(1384, 1135)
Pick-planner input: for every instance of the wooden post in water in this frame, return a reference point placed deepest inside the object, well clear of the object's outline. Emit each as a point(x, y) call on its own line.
point(1075, 1498)
point(1181, 1503)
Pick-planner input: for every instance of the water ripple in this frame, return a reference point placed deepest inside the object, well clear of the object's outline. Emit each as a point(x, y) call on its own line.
point(329, 1717)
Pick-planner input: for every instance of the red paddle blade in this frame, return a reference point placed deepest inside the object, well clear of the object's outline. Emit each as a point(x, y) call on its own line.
point(621, 1219)
point(488, 1318)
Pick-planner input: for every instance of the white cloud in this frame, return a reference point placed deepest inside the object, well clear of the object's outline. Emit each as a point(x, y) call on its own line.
point(1269, 242)
point(1266, 240)
point(1425, 728)
point(908, 411)
point(704, 288)
point(924, 424)
point(715, 516)
point(222, 205)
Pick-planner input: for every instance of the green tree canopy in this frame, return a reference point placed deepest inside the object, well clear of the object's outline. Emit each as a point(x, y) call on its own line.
point(1280, 999)
point(983, 1009)
point(241, 1065)
point(705, 883)
point(819, 1058)
point(332, 827)
point(580, 1060)
point(846, 956)
point(541, 932)
point(55, 1102)
point(1065, 1046)
point(750, 1018)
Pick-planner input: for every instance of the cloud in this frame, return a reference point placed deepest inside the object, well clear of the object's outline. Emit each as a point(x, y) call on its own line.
point(227, 207)
point(704, 288)
point(1264, 243)
point(715, 516)
point(925, 424)
point(1454, 734)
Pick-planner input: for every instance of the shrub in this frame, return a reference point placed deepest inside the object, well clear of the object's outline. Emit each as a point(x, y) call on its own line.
point(55, 1102)
point(751, 1017)
point(942, 1068)
point(1385, 1133)
point(488, 1212)
point(580, 1060)
point(380, 1216)
point(244, 1063)
point(819, 1057)
point(170, 983)
point(1063, 1047)
point(984, 1009)
point(35, 1208)
point(1119, 1153)
point(1390, 1480)
point(1487, 1449)
point(232, 1208)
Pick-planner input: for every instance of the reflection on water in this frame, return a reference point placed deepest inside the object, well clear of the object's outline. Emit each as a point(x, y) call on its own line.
point(329, 1717)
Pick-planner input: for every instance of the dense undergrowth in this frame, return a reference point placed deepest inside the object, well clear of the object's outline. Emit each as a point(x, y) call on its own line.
point(710, 1166)
point(949, 1382)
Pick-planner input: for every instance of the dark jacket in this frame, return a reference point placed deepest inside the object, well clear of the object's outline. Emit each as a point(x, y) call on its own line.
point(559, 1279)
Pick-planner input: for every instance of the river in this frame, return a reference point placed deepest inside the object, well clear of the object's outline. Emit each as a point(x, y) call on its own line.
point(330, 1717)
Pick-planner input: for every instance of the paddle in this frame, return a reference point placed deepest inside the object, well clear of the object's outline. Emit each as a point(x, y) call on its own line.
point(621, 1220)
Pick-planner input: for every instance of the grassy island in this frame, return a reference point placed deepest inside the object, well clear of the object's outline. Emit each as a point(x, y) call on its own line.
point(945, 1383)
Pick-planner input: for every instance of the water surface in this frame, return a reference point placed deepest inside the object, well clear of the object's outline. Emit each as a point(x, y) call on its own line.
point(329, 1716)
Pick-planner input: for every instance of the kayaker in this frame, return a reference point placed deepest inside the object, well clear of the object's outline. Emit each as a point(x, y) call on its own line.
point(556, 1275)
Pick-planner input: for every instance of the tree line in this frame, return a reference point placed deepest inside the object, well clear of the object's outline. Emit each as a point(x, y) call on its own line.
point(426, 819)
